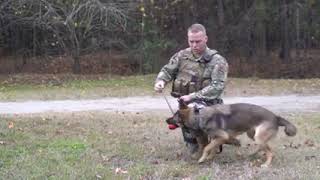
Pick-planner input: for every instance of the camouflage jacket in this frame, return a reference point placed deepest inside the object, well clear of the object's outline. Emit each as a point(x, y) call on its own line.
point(210, 70)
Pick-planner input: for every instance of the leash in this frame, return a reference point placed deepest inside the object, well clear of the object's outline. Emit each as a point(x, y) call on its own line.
point(168, 104)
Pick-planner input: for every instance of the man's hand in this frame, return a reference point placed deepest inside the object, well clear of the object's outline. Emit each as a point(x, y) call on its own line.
point(158, 87)
point(186, 98)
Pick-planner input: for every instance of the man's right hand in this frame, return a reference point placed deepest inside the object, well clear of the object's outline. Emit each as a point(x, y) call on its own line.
point(159, 86)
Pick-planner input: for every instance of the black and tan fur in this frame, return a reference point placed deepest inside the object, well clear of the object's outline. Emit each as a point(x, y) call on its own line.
point(223, 123)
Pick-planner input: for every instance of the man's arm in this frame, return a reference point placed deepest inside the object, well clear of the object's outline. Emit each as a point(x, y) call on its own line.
point(169, 71)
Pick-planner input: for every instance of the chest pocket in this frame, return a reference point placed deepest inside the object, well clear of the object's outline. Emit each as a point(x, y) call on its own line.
point(189, 78)
point(190, 71)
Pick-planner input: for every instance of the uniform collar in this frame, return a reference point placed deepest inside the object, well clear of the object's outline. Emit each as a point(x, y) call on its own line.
point(206, 56)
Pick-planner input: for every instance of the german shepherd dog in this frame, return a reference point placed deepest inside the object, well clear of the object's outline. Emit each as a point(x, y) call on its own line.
point(222, 123)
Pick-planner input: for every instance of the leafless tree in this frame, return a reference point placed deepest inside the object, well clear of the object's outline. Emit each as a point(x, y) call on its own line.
point(70, 26)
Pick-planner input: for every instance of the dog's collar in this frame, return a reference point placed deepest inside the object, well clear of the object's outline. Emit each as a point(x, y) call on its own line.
point(197, 117)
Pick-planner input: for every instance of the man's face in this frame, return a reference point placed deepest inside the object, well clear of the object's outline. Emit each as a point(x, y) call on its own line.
point(197, 42)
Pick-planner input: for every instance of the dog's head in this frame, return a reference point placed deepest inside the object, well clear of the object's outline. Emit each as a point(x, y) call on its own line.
point(181, 116)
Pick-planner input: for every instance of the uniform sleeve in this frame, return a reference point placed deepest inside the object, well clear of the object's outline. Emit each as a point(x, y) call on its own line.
point(218, 81)
point(169, 71)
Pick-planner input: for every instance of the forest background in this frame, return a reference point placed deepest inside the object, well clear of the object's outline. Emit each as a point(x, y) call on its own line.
point(269, 39)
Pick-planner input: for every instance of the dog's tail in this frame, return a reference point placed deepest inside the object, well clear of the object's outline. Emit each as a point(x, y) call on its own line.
point(289, 129)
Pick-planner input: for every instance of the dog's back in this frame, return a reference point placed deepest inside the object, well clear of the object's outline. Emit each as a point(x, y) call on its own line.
point(242, 117)
point(238, 117)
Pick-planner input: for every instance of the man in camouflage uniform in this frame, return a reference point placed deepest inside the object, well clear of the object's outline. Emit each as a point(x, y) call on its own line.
point(198, 73)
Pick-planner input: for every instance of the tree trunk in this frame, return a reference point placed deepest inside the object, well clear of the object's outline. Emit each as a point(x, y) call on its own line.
point(261, 29)
point(285, 44)
point(220, 13)
point(76, 64)
point(76, 57)
point(298, 39)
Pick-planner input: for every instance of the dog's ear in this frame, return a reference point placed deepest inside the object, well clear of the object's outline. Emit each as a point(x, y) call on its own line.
point(184, 114)
point(182, 104)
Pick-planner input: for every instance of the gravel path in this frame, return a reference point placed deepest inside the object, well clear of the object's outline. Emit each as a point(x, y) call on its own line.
point(290, 103)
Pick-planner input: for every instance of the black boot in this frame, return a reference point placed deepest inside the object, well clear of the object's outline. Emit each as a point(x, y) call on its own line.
point(190, 140)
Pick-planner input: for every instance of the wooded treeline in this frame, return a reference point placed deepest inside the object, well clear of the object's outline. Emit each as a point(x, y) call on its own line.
point(274, 38)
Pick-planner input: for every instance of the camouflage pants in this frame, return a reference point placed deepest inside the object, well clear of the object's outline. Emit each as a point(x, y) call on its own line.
point(188, 137)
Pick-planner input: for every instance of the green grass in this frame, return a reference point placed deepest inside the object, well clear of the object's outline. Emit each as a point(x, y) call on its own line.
point(54, 87)
point(75, 88)
point(93, 145)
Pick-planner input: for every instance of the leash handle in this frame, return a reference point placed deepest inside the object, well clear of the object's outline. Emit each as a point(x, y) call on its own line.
point(168, 104)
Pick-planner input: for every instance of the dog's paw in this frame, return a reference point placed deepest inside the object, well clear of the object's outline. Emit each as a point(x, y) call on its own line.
point(201, 160)
point(265, 165)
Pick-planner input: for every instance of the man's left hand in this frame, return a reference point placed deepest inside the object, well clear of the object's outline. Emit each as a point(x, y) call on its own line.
point(186, 98)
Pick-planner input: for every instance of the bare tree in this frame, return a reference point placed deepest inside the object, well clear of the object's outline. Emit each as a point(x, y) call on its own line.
point(58, 24)
point(81, 20)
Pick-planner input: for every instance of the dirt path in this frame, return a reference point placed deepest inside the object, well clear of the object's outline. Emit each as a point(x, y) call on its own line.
point(290, 103)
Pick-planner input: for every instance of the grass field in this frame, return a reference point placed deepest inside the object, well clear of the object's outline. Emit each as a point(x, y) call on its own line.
point(120, 145)
point(52, 87)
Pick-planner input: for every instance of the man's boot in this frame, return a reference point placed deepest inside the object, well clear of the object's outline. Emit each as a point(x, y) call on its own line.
point(191, 142)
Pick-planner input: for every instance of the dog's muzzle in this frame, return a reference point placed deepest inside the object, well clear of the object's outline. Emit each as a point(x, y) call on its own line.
point(171, 124)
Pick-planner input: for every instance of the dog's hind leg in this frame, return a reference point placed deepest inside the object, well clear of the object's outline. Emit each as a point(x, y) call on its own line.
point(202, 142)
point(269, 156)
point(265, 133)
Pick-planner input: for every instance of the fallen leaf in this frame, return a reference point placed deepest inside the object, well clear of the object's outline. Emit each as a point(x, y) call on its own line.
point(98, 176)
point(307, 158)
point(309, 143)
point(186, 178)
point(291, 145)
point(11, 125)
point(120, 171)
point(155, 162)
point(105, 158)
point(152, 149)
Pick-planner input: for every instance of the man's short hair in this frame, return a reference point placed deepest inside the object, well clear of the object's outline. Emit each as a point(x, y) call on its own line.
point(194, 28)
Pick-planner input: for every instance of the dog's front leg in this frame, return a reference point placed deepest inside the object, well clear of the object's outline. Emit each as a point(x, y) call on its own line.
point(202, 141)
point(210, 148)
